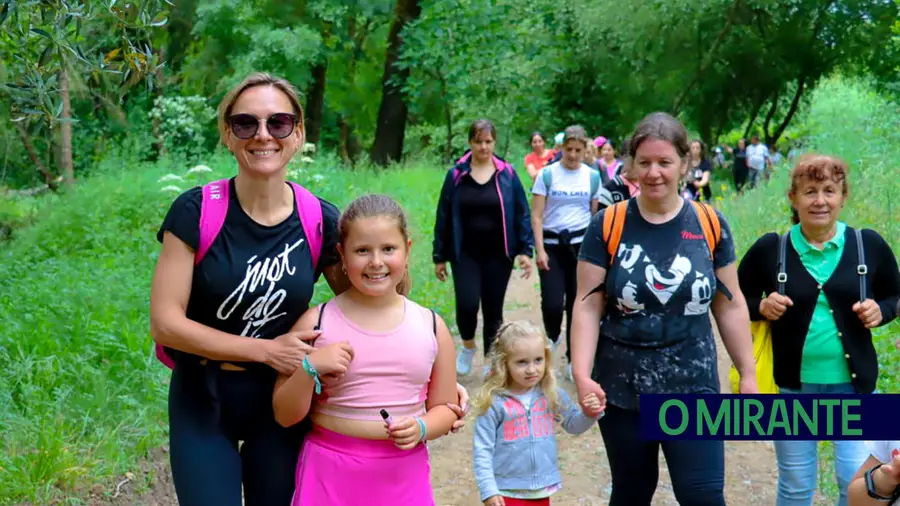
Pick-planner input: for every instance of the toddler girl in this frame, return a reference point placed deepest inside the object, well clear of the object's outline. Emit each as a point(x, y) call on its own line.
point(517, 411)
point(385, 368)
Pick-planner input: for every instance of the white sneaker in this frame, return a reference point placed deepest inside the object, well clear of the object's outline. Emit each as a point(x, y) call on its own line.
point(464, 361)
point(569, 373)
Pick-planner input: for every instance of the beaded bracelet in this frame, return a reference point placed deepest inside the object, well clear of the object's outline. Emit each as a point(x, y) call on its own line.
point(422, 429)
point(311, 370)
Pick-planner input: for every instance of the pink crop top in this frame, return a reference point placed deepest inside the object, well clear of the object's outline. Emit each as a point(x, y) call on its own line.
point(390, 370)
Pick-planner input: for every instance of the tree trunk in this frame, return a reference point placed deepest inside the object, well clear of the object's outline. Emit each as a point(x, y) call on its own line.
point(795, 103)
point(159, 93)
point(180, 26)
point(753, 117)
point(65, 130)
point(391, 126)
point(770, 115)
point(33, 155)
point(315, 99)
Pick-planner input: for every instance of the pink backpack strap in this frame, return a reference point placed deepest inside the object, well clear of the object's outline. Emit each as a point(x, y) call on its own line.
point(310, 210)
point(213, 209)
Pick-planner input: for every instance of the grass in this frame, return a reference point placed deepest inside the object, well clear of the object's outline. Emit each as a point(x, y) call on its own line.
point(82, 399)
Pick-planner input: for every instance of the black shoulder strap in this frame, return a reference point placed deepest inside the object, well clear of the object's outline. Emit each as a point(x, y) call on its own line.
point(434, 322)
point(861, 269)
point(321, 312)
point(781, 279)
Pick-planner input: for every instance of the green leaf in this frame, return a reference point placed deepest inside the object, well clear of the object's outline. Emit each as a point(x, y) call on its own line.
point(42, 32)
point(45, 55)
point(4, 12)
point(161, 19)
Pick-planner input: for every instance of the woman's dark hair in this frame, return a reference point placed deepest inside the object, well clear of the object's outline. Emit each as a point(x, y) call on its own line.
point(818, 168)
point(702, 148)
point(534, 134)
point(663, 127)
point(482, 125)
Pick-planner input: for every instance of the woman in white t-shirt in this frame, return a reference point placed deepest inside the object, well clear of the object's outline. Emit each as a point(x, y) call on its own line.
point(878, 480)
point(564, 197)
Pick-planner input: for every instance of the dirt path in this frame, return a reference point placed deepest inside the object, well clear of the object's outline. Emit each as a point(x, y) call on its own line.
point(750, 466)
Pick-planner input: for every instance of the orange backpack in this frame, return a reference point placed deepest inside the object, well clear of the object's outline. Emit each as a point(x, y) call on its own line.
point(614, 224)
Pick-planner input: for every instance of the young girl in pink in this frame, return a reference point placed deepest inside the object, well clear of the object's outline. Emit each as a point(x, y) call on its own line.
point(382, 376)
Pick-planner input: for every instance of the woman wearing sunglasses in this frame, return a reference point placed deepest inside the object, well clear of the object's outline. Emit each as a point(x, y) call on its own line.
point(228, 320)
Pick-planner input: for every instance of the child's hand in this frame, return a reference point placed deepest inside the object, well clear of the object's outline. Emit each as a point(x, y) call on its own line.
point(495, 500)
point(405, 433)
point(332, 360)
point(593, 405)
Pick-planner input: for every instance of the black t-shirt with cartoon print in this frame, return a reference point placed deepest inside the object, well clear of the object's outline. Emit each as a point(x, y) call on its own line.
point(255, 280)
point(656, 335)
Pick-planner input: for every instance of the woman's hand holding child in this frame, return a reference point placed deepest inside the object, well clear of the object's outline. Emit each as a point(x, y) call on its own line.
point(592, 406)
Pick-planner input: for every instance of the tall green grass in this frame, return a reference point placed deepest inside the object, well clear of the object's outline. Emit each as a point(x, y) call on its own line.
point(82, 400)
point(848, 119)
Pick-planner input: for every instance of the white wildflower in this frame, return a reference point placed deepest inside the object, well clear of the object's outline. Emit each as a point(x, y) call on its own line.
point(170, 188)
point(199, 168)
point(170, 177)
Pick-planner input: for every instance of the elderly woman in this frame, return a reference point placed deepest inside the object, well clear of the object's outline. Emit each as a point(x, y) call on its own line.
point(224, 306)
point(653, 289)
point(821, 325)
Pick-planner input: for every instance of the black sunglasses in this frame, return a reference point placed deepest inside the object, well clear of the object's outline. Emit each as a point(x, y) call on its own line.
point(279, 125)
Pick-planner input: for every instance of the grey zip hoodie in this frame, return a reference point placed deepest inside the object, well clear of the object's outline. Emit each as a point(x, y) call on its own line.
point(515, 445)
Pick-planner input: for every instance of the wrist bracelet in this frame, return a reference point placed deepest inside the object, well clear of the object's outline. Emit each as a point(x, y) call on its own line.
point(422, 430)
point(311, 370)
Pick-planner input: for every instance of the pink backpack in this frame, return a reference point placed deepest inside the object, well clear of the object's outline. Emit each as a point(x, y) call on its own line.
point(213, 209)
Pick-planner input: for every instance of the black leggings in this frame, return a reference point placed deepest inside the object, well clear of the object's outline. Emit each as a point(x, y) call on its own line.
point(558, 291)
point(482, 279)
point(740, 177)
point(207, 467)
point(697, 468)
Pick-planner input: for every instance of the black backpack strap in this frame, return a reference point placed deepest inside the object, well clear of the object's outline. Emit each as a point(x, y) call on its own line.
point(321, 312)
point(781, 278)
point(862, 269)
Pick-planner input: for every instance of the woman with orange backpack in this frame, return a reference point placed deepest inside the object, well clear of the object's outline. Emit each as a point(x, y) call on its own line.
point(651, 269)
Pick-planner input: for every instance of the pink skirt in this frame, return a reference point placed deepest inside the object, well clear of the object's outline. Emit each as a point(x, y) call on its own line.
point(339, 470)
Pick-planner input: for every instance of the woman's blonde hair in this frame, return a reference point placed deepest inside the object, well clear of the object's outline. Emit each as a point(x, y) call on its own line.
point(251, 81)
point(498, 378)
point(377, 206)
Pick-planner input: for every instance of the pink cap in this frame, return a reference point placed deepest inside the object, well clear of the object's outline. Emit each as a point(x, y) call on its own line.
point(600, 141)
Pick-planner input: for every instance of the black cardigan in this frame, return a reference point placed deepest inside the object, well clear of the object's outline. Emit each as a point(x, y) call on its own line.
point(757, 273)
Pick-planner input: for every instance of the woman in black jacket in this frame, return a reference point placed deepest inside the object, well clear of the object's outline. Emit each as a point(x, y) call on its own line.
point(834, 293)
point(482, 225)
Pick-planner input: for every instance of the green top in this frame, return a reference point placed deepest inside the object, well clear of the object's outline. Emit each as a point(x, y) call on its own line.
point(824, 360)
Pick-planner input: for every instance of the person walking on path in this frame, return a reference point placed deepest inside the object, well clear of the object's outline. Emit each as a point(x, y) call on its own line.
point(564, 196)
point(482, 228)
point(651, 269)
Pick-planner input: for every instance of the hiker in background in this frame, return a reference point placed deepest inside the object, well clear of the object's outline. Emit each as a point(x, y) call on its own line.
point(386, 380)
point(821, 325)
point(652, 282)
point(564, 196)
point(758, 160)
point(590, 159)
point(611, 165)
point(539, 155)
point(699, 173)
point(228, 333)
point(739, 168)
point(623, 186)
point(482, 227)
